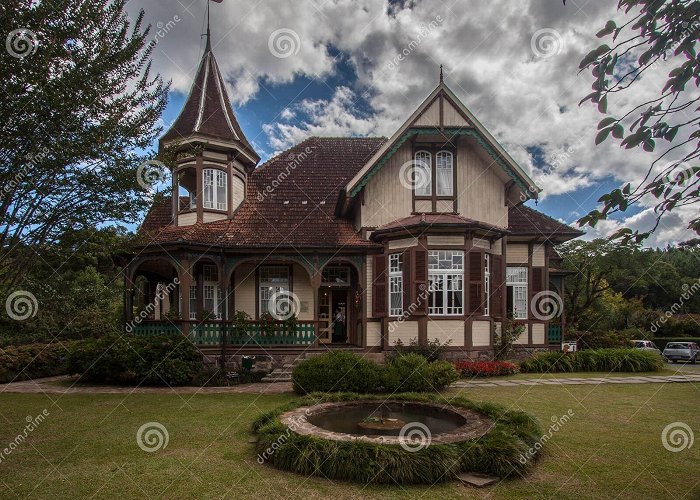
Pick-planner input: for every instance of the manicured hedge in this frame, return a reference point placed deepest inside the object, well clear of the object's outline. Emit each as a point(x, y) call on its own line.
point(594, 360)
point(348, 372)
point(501, 452)
point(468, 368)
point(32, 361)
point(158, 361)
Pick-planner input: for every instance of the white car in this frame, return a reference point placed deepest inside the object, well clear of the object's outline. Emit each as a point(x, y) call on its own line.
point(646, 345)
point(682, 351)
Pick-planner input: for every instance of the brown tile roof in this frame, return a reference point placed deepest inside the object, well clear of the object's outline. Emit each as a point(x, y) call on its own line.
point(526, 221)
point(290, 201)
point(424, 221)
point(207, 110)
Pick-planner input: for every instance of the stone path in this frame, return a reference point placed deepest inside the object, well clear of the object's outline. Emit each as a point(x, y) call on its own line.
point(650, 379)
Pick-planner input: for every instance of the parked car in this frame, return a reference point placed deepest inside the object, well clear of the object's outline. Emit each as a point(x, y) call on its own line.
point(646, 345)
point(683, 351)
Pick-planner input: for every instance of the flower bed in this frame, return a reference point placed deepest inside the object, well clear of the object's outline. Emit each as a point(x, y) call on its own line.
point(468, 368)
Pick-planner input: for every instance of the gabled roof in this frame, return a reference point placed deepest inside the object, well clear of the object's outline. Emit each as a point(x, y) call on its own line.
point(472, 126)
point(417, 223)
point(290, 202)
point(207, 111)
point(526, 221)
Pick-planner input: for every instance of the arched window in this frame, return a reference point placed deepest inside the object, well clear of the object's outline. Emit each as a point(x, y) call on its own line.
point(422, 174)
point(444, 175)
point(215, 192)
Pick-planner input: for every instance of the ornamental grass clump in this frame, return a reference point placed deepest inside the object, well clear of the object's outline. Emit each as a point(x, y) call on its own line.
point(594, 360)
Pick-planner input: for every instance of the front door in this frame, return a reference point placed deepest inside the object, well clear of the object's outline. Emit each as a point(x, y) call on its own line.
point(332, 301)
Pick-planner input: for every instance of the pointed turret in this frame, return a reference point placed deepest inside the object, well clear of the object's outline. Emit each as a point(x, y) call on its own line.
point(207, 113)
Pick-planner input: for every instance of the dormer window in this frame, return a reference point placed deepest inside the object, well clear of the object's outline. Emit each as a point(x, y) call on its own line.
point(215, 193)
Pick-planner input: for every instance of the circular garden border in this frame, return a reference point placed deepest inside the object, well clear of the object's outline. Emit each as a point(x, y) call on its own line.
point(504, 450)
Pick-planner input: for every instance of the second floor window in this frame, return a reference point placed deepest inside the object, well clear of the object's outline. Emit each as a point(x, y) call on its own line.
point(423, 175)
point(215, 192)
point(439, 167)
point(443, 173)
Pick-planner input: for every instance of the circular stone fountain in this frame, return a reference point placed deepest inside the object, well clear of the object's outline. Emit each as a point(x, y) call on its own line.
point(387, 422)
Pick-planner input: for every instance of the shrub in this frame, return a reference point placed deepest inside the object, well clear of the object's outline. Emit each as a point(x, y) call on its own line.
point(590, 360)
point(607, 340)
point(676, 327)
point(432, 351)
point(499, 452)
point(468, 368)
point(32, 361)
point(503, 341)
point(336, 371)
point(349, 372)
point(171, 360)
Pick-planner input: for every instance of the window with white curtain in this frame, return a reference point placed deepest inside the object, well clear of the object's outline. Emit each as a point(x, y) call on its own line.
point(516, 288)
point(422, 174)
point(446, 282)
point(395, 284)
point(213, 299)
point(443, 173)
point(215, 192)
point(273, 279)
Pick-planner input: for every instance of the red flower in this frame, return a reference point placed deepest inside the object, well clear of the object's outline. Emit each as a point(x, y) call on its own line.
point(470, 368)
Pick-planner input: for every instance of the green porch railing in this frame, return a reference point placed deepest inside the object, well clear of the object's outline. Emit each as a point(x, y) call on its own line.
point(155, 329)
point(211, 333)
point(554, 334)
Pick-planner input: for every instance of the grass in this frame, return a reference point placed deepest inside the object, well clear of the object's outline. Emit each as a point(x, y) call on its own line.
point(87, 447)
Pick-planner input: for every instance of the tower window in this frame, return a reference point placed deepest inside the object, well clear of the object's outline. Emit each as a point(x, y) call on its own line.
point(215, 192)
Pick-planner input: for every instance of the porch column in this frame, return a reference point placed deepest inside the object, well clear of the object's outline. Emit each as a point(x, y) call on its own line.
point(198, 271)
point(128, 296)
point(223, 303)
point(315, 286)
point(185, 282)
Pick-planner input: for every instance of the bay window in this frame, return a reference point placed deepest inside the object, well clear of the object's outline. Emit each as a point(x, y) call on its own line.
point(215, 192)
point(395, 284)
point(273, 280)
point(446, 282)
point(516, 290)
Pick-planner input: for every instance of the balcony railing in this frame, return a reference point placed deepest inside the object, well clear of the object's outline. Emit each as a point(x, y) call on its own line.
point(213, 332)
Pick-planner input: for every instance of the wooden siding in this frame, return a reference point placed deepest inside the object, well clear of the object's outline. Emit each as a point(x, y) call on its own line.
point(187, 219)
point(480, 191)
point(523, 339)
point(451, 117)
point(538, 333)
point(538, 256)
point(447, 330)
point(430, 117)
point(213, 217)
point(481, 333)
point(445, 240)
point(424, 206)
point(517, 253)
point(244, 289)
point(481, 243)
point(374, 334)
point(445, 206)
point(497, 247)
point(301, 286)
point(404, 330)
point(386, 198)
point(237, 191)
point(403, 243)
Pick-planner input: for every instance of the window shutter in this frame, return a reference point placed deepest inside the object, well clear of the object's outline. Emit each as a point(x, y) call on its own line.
point(420, 282)
point(498, 286)
point(476, 282)
point(536, 287)
point(379, 291)
point(407, 283)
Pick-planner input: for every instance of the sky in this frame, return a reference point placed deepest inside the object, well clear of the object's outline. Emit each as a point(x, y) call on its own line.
point(361, 67)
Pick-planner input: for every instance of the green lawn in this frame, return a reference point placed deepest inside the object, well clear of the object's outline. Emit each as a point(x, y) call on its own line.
point(87, 447)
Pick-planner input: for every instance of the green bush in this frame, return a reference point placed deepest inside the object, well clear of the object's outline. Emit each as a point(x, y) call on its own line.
point(337, 371)
point(32, 361)
point(157, 361)
point(432, 350)
point(348, 372)
point(500, 452)
point(607, 340)
point(594, 360)
point(672, 327)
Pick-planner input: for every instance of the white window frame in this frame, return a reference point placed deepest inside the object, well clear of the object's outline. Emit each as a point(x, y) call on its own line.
point(213, 296)
point(438, 167)
point(272, 280)
point(517, 279)
point(423, 160)
point(215, 189)
point(396, 283)
point(487, 284)
point(442, 280)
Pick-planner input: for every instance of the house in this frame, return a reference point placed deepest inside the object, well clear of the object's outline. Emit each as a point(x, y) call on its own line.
point(423, 236)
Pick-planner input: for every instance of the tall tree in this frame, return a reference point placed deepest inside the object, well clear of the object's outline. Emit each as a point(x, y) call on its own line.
point(656, 35)
point(79, 106)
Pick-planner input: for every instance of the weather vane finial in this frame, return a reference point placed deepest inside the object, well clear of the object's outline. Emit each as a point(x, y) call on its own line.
point(441, 73)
